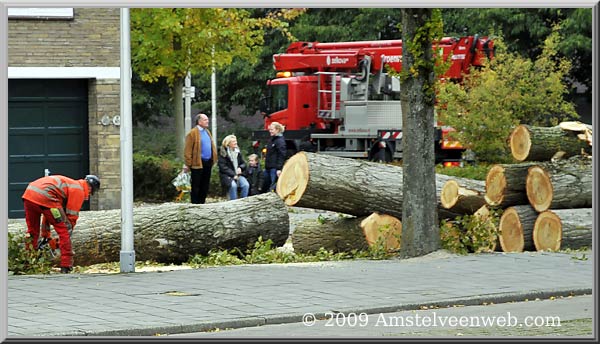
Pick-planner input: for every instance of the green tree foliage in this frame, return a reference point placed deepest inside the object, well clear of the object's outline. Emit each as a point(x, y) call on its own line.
point(525, 29)
point(510, 90)
point(170, 42)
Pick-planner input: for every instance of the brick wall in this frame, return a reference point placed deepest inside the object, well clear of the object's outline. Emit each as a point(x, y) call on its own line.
point(104, 100)
point(90, 39)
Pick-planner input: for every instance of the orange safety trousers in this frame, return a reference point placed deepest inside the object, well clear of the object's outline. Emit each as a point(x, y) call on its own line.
point(33, 213)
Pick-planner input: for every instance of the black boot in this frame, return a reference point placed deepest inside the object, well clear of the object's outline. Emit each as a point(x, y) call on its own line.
point(65, 269)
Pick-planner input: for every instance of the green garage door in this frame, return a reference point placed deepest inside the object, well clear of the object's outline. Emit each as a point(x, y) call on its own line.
point(47, 130)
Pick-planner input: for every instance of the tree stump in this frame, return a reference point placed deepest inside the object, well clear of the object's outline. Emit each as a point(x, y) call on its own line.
point(529, 143)
point(561, 184)
point(463, 198)
point(172, 232)
point(516, 228)
point(345, 234)
point(505, 184)
point(349, 186)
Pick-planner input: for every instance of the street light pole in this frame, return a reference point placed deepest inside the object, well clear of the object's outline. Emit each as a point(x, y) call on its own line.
point(213, 82)
point(188, 93)
point(127, 254)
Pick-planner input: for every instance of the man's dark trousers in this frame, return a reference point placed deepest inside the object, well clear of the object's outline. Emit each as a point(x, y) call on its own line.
point(201, 182)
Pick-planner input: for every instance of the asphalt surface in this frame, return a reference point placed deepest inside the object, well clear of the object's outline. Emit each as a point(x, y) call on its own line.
point(197, 300)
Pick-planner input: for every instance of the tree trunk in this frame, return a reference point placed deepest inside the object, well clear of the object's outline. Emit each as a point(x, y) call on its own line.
point(516, 228)
point(559, 185)
point(421, 229)
point(346, 234)
point(528, 143)
point(505, 184)
point(172, 232)
point(465, 197)
point(577, 227)
point(344, 185)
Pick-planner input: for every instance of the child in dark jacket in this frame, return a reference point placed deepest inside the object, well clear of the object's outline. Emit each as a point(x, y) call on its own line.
point(254, 175)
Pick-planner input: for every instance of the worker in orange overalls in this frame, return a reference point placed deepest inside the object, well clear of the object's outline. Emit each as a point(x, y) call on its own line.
point(59, 199)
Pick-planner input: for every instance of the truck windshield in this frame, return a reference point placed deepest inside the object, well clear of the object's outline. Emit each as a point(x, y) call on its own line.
point(279, 97)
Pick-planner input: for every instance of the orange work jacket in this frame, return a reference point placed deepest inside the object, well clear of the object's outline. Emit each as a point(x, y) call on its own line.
point(59, 192)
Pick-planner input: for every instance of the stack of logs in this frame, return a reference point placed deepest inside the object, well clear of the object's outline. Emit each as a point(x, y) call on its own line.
point(546, 197)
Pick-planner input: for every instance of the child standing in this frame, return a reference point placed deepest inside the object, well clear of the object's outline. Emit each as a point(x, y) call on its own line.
point(254, 175)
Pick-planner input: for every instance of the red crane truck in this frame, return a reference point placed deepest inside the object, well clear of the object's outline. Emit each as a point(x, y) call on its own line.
point(339, 99)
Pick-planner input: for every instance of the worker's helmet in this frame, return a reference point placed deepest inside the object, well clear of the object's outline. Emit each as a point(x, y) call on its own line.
point(93, 182)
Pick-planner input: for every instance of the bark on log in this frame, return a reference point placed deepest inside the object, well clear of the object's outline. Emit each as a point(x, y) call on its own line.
point(505, 184)
point(576, 227)
point(529, 143)
point(561, 184)
point(516, 228)
point(465, 197)
point(172, 232)
point(345, 234)
point(338, 235)
point(349, 186)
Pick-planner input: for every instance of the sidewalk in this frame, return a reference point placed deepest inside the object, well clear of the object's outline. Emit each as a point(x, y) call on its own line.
point(152, 303)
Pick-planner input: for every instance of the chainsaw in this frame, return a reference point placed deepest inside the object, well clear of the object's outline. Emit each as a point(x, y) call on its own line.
point(48, 242)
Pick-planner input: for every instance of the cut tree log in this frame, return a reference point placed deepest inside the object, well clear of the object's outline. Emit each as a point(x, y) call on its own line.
point(529, 143)
point(349, 186)
point(560, 184)
point(516, 228)
point(172, 232)
point(345, 234)
point(342, 234)
point(547, 232)
point(576, 227)
point(463, 198)
point(505, 184)
point(385, 228)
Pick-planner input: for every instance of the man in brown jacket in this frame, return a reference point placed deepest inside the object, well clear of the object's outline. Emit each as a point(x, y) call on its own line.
point(200, 154)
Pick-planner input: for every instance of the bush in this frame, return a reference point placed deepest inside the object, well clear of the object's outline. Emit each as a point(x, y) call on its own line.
point(470, 233)
point(26, 262)
point(510, 90)
point(478, 172)
point(152, 178)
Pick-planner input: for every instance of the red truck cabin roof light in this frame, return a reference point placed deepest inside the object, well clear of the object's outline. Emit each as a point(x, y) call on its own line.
point(284, 74)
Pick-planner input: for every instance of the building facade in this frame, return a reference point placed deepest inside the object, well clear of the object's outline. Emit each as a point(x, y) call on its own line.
point(64, 99)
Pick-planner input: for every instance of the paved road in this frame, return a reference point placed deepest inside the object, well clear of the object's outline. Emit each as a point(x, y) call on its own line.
point(568, 316)
point(184, 301)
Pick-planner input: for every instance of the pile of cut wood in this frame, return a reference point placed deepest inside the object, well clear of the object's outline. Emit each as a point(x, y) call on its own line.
point(547, 203)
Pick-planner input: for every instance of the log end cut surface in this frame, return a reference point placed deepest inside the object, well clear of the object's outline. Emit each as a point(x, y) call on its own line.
point(384, 228)
point(511, 232)
point(495, 185)
point(520, 143)
point(539, 188)
point(547, 232)
point(293, 179)
point(449, 194)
